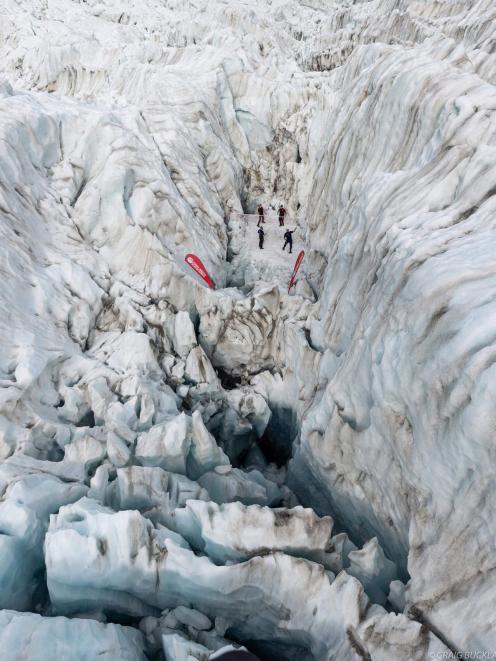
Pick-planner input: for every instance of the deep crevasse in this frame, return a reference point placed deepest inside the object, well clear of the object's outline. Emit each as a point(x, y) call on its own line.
point(133, 401)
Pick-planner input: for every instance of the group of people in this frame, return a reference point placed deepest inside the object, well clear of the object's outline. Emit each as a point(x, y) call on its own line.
point(281, 212)
point(288, 234)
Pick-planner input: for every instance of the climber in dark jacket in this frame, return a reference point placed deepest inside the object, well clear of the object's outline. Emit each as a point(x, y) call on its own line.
point(261, 237)
point(288, 240)
point(260, 215)
point(282, 213)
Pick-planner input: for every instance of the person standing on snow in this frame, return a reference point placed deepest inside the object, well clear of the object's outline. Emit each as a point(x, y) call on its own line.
point(282, 213)
point(288, 240)
point(260, 215)
point(261, 237)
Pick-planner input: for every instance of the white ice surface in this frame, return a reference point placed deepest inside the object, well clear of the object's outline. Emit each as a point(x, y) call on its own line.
point(29, 636)
point(131, 134)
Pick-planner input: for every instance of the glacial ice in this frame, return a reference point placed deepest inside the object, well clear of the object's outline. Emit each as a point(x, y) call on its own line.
point(28, 500)
point(249, 488)
point(140, 573)
point(177, 648)
point(375, 572)
point(30, 636)
point(193, 618)
point(171, 455)
point(234, 532)
point(166, 445)
point(145, 487)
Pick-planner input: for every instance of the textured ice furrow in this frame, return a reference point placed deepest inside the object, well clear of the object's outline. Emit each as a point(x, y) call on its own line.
point(130, 136)
point(30, 636)
point(407, 399)
point(126, 568)
point(233, 532)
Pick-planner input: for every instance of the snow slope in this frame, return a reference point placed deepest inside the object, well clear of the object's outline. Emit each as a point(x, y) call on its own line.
point(132, 399)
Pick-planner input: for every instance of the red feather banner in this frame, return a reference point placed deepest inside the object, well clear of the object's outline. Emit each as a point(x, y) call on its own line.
point(197, 265)
point(298, 262)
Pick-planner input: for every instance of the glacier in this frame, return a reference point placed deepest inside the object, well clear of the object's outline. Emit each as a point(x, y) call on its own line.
point(186, 471)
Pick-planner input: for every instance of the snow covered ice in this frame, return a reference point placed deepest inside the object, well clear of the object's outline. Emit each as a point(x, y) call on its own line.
point(306, 475)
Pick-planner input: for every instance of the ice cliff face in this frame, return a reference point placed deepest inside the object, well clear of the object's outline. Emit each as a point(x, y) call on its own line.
point(141, 414)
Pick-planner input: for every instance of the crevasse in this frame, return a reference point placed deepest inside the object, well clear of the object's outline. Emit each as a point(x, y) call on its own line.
point(182, 470)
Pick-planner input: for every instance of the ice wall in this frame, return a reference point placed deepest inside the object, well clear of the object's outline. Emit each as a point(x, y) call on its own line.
point(129, 133)
point(402, 215)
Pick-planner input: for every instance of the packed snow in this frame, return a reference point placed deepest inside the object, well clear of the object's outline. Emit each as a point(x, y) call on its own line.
point(307, 475)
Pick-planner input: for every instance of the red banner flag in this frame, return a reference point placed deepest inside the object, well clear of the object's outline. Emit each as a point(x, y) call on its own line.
point(298, 262)
point(196, 264)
